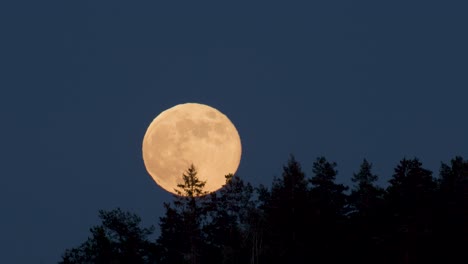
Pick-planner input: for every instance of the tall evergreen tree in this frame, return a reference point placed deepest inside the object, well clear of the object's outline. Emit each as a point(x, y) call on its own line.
point(286, 211)
point(329, 194)
point(451, 229)
point(228, 227)
point(172, 242)
point(365, 194)
point(328, 203)
point(411, 186)
point(411, 199)
point(181, 239)
point(365, 221)
point(454, 180)
point(365, 175)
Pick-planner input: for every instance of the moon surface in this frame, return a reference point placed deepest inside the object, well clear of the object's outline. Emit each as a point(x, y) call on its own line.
point(188, 134)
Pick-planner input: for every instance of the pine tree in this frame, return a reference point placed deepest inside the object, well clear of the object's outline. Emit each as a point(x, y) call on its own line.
point(287, 212)
point(181, 239)
point(411, 198)
point(328, 202)
point(454, 179)
point(172, 242)
point(329, 194)
point(365, 221)
point(228, 228)
point(365, 194)
point(411, 185)
point(451, 229)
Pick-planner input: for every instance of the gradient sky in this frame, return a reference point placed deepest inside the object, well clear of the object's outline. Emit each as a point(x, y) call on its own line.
point(81, 81)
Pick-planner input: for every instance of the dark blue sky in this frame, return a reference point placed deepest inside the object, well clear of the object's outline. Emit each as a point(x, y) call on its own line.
point(81, 81)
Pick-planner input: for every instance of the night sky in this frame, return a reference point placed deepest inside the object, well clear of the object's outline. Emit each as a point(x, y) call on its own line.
point(80, 82)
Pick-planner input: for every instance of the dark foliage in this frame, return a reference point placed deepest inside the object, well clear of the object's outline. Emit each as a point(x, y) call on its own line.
point(181, 239)
point(119, 239)
point(416, 219)
point(286, 212)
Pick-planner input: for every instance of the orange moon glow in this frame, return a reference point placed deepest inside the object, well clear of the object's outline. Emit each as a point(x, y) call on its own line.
point(191, 134)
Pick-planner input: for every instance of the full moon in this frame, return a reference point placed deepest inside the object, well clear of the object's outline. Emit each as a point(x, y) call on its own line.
point(188, 134)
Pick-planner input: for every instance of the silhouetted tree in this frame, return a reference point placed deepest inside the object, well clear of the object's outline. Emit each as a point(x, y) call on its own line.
point(119, 239)
point(172, 242)
point(451, 229)
point(181, 239)
point(411, 199)
point(298, 220)
point(365, 196)
point(286, 211)
point(329, 204)
point(329, 194)
point(258, 227)
point(454, 180)
point(365, 221)
point(228, 227)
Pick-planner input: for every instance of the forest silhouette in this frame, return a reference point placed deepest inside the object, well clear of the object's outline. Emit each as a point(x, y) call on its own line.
point(418, 218)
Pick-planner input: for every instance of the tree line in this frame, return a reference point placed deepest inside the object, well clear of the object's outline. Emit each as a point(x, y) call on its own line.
point(418, 218)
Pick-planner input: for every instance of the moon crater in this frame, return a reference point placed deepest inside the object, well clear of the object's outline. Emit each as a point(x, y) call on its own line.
point(191, 134)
